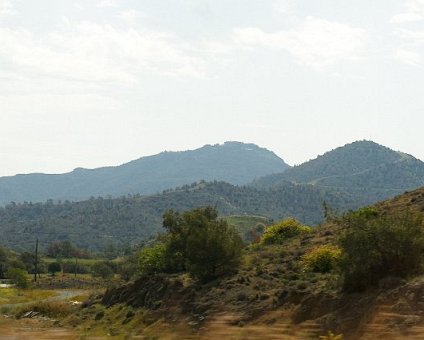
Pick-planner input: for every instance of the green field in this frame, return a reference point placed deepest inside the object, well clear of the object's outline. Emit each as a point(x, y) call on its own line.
point(244, 224)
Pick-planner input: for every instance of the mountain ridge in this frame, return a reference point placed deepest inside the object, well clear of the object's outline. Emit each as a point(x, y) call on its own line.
point(359, 165)
point(233, 162)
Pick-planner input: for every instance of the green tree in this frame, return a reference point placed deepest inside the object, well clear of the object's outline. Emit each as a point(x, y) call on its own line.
point(54, 267)
point(201, 243)
point(152, 259)
point(102, 269)
point(377, 245)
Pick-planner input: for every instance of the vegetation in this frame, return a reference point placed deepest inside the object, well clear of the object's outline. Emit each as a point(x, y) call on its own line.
point(364, 169)
point(322, 259)
point(196, 241)
point(12, 295)
point(65, 249)
point(377, 245)
point(250, 228)
point(19, 277)
point(103, 269)
point(104, 222)
point(152, 259)
point(51, 309)
point(282, 231)
point(54, 267)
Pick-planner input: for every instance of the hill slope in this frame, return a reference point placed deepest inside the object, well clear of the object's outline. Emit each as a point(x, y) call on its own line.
point(96, 222)
point(272, 295)
point(370, 171)
point(233, 162)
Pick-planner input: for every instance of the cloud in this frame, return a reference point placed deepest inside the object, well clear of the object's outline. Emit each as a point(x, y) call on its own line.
point(408, 57)
point(414, 12)
point(130, 16)
point(411, 37)
point(6, 8)
point(410, 49)
point(89, 53)
point(406, 17)
point(283, 6)
point(316, 43)
point(108, 3)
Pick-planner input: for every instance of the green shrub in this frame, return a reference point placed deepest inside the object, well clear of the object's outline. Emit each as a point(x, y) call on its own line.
point(322, 259)
point(377, 246)
point(152, 259)
point(103, 269)
point(72, 267)
point(282, 231)
point(19, 277)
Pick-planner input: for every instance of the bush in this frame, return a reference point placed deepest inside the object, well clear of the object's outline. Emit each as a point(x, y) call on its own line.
point(152, 259)
point(19, 277)
point(54, 267)
point(71, 267)
point(322, 259)
point(103, 269)
point(377, 246)
point(282, 231)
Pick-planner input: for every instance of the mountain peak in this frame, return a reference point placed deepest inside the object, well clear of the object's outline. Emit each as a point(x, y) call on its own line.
point(364, 167)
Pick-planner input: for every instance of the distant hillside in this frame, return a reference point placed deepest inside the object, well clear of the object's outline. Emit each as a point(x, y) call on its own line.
point(94, 223)
point(365, 169)
point(232, 162)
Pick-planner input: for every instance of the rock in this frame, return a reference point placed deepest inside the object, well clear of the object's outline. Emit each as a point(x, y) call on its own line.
point(30, 314)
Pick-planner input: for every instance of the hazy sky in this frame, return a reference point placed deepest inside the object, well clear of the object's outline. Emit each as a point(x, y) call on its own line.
point(100, 82)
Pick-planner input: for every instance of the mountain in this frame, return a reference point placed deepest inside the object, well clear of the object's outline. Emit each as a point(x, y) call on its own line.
point(233, 162)
point(94, 223)
point(370, 171)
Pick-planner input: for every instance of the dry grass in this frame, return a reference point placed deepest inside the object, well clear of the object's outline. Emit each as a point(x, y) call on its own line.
point(51, 309)
point(14, 295)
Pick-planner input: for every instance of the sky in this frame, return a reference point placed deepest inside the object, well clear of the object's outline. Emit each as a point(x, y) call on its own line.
point(89, 83)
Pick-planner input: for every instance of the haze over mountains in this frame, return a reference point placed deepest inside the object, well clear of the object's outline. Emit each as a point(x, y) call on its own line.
point(233, 162)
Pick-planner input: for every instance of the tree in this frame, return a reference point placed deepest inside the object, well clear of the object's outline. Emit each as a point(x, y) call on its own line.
point(54, 267)
point(377, 245)
point(152, 259)
point(102, 269)
point(201, 243)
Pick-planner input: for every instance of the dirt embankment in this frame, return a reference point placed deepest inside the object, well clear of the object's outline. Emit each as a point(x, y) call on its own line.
point(395, 310)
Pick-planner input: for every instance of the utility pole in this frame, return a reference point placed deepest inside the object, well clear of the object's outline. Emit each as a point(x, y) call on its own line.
point(76, 266)
point(36, 261)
